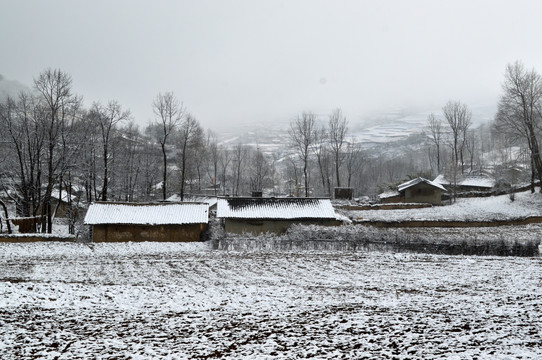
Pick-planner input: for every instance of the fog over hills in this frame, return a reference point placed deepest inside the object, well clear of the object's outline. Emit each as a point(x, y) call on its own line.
point(385, 127)
point(10, 87)
point(273, 138)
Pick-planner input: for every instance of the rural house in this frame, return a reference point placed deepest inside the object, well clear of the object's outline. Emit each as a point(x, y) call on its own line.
point(418, 190)
point(274, 215)
point(112, 222)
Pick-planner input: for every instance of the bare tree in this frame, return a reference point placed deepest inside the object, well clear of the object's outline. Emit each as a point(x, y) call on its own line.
point(129, 157)
point(25, 143)
point(214, 159)
point(60, 107)
point(106, 118)
point(435, 128)
point(190, 135)
point(169, 112)
point(323, 156)
point(303, 137)
point(354, 160)
point(458, 117)
point(240, 156)
point(260, 170)
point(520, 111)
point(338, 127)
point(471, 148)
point(224, 160)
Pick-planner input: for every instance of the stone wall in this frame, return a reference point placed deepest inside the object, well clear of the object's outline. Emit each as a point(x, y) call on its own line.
point(257, 226)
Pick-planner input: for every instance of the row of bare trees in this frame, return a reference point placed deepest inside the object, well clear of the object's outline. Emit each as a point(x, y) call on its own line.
point(52, 145)
point(519, 113)
point(517, 125)
point(327, 145)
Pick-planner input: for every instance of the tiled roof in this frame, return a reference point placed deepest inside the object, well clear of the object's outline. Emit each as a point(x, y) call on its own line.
point(275, 208)
point(418, 180)
point(147, 214)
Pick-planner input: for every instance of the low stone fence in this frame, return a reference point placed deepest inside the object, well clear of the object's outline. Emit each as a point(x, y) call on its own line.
point(398, 243)
point(35, 238)
point(448, 223)
point(391, 206)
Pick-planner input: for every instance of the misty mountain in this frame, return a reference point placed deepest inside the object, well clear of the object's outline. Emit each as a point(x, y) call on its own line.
point(382, 129)
point(10, 88)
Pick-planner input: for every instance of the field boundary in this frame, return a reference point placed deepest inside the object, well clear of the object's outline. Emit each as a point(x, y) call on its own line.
point(22, 238)
point(447, 223)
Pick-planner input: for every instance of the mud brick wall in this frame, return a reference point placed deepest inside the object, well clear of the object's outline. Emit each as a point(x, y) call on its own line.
point(136, 233)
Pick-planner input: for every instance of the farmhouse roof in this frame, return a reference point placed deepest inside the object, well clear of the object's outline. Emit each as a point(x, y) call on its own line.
point(417, 181)
point(147, 214)
point(388, 194)
point(275, 208)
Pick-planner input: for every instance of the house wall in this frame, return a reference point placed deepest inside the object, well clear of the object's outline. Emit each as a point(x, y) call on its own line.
point(423, 193)
point(159, 233)
point(257, 226)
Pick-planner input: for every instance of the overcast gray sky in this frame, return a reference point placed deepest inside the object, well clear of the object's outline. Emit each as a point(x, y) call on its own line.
point(254, 61)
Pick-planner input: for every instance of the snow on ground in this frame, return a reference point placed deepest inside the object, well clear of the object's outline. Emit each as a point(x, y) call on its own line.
point(472, 209)
point(180, 301)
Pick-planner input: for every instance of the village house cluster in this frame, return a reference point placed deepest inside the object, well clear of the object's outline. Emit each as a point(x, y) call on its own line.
point(188, 221)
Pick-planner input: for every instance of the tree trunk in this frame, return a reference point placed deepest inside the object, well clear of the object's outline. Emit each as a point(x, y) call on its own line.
point(105, 184)
point(6, 215)
point(337, 169)
point(306, 179)
point(164, 181)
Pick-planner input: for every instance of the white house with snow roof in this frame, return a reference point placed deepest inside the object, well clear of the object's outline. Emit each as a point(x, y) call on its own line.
point(274, 215)
point(114, 222)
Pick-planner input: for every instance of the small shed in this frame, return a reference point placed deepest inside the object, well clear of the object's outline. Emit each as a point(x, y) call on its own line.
point(274, 215)
point(344, 193)
point(171, 222)
point(421, 190)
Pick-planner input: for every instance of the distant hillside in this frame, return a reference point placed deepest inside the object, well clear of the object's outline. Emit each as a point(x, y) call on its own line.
point(399, 127)
point(392, 126)
point(10, 88)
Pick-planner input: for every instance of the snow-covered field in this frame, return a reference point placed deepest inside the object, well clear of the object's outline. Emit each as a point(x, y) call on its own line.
point(180, 301)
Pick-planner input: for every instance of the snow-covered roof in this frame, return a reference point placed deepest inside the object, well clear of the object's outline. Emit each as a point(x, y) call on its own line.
point(388, 194)
point(480, 181)
point(275, 208)
point(147, 214)
point(417, 181)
